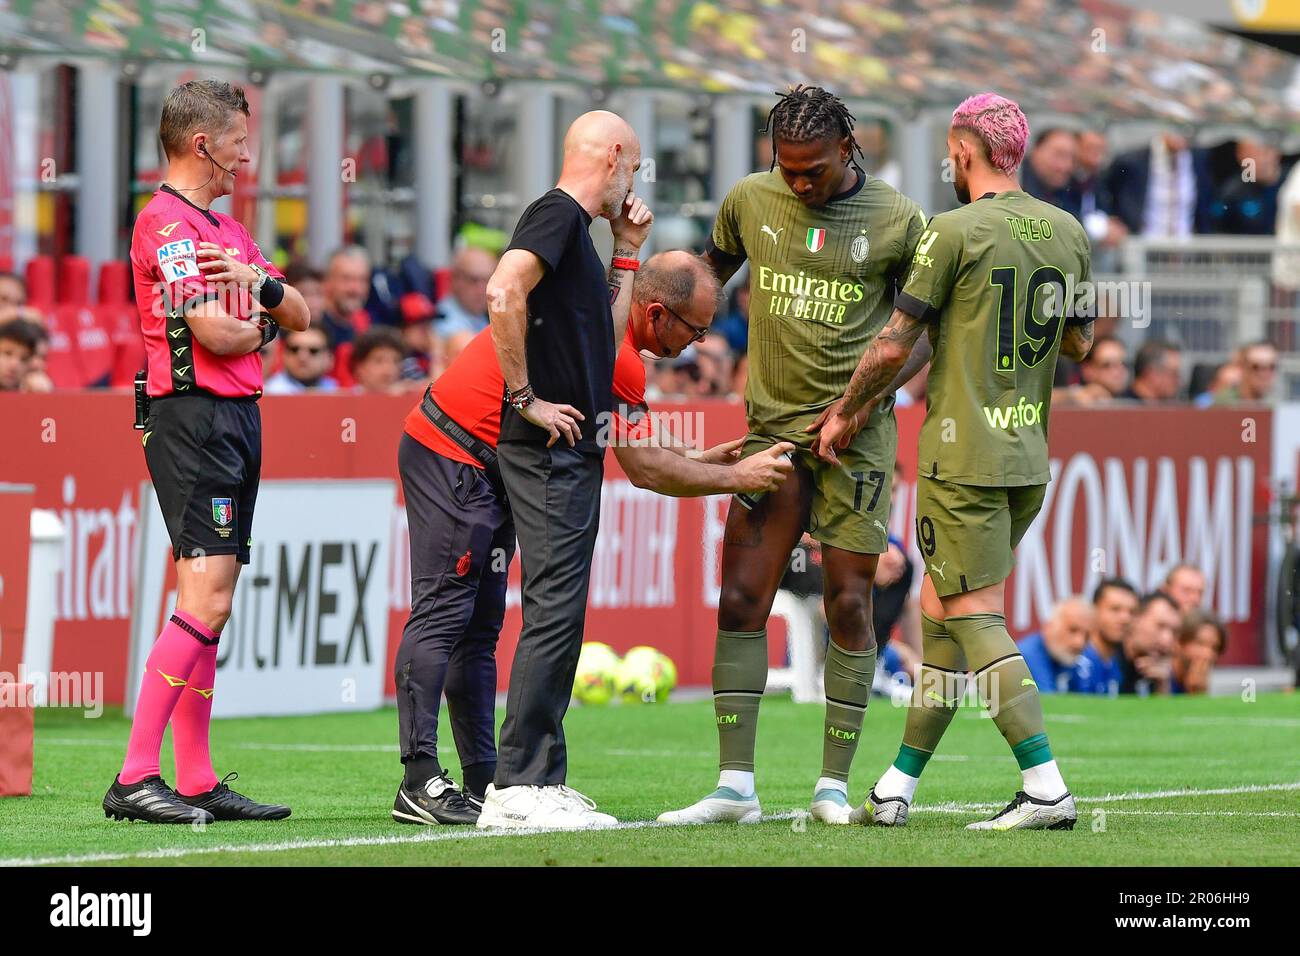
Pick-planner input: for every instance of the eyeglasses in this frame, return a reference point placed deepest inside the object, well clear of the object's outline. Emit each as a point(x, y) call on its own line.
point(699, 333)
point(312, 350)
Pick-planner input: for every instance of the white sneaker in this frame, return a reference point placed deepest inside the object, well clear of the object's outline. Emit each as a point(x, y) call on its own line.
point(723, 805)
point(585, 805)
point(539, 808)
point(880, 811)
point(1030, 813)
point(830, 806)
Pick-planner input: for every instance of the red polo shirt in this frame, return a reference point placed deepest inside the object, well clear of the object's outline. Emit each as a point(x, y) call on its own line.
point(472, 390)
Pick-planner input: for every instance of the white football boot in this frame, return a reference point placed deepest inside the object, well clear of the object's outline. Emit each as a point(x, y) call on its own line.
point(540, 808)
point(880, 811)
point(1029, 813)
point(723, 805)
point(830, 806)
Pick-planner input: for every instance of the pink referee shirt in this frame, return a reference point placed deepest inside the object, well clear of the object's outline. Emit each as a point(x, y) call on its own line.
point(164, 260)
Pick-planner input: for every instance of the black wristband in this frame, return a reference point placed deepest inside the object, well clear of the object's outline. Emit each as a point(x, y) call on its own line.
point(271, 293)
point(270, 329)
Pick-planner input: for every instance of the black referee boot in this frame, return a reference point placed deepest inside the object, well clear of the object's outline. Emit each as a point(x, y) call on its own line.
point(225, 804)
point(150, 801)
point(436, 801)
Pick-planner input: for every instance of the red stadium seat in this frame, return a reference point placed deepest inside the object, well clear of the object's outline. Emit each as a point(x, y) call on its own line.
point(86, 355)
point(114, 283)
point(63, 363)
point(123, 322)
point(40, 282)
point(73, 280)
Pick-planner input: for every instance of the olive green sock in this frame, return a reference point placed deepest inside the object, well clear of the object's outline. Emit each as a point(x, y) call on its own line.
point(1002, 677)
point(739, 678)
point(938, 691)
point(847, 680)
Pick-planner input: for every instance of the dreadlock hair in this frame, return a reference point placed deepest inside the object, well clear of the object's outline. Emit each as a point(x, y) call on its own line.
point(805, 114)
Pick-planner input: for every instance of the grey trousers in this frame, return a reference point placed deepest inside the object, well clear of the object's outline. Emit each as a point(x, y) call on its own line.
point(555, 496)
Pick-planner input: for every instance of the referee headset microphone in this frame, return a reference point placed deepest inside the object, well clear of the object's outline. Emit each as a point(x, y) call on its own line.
point(204, 147)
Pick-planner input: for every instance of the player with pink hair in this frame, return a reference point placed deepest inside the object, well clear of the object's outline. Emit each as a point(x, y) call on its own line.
point(981, 284)
point(998, 124)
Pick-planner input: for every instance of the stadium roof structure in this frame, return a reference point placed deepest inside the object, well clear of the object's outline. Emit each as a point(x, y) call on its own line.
point(1091, 58)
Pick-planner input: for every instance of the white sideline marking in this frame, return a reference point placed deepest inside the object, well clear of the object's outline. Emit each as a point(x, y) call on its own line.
point(166, 853)
point(433, 836)
point(1124, 797)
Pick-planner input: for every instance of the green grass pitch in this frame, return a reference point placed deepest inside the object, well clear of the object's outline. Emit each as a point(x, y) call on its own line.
point(1161, 781)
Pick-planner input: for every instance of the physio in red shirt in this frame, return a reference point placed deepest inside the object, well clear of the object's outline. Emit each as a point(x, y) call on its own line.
point(208, 301)
point(462, 536)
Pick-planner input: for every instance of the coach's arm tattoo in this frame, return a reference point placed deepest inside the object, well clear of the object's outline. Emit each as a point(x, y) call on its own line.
point(620, 289)
point(883, 361)
point(1076, 341)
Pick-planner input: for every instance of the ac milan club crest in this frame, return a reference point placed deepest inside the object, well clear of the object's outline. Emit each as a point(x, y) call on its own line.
point(816, 239)
point(859, 248)
point(462, 564)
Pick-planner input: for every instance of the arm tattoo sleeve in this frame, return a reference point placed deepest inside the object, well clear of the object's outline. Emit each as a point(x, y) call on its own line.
point(884, 357)
point(1076, 341)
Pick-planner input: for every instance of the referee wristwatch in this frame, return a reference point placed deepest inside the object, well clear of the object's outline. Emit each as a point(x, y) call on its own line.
point(262, 276)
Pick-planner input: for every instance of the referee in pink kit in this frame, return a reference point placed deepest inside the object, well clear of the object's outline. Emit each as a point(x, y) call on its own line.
point(208, 300)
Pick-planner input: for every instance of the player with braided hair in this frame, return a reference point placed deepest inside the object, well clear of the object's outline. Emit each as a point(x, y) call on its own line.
point(827, 247)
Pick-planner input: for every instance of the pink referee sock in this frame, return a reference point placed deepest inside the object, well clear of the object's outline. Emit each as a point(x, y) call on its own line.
point(191, 721)
point(167, 672)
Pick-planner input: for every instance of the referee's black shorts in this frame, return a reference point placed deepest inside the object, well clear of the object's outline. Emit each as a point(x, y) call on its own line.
point(205, 457)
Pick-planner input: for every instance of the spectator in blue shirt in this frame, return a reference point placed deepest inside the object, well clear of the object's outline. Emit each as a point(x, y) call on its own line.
point(1050, 654)
point(464, 308)
point(1097, 671)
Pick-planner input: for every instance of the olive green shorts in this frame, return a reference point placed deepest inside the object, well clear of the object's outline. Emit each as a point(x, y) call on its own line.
point(850, 503)
point(968, 534)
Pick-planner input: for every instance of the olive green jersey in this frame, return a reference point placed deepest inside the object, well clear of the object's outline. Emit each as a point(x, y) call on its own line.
point(997, 280)
point(821, 284)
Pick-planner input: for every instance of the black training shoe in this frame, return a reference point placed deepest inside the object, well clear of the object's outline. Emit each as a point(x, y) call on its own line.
point(225, 804)
point(475, 800)
point(150, 801)
point(438, 801)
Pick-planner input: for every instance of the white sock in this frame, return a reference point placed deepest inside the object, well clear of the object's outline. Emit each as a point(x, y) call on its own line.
point(894, 783)
point(742, 781)
point(1044, 782)
point(830, 783)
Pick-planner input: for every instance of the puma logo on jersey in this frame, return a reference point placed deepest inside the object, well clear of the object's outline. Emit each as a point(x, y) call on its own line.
point(166, 231)
point(938, 569)
point(767, 231)
point(883, 528)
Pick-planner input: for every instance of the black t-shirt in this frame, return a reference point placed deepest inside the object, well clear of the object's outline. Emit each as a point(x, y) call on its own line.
point(569, 346)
